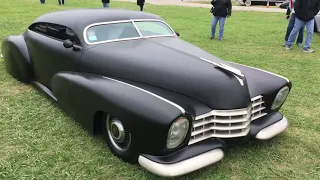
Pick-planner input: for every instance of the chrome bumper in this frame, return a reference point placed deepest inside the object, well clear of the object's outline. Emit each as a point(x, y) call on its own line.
point(273, 130)
point(182, 167)
point(209, 151)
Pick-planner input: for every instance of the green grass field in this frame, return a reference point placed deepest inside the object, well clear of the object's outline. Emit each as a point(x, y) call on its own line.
point(39, 141)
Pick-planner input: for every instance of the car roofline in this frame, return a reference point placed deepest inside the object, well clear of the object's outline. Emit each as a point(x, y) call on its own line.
point(126, 39)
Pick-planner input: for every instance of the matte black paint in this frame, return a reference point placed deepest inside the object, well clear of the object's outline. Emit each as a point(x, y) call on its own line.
point(18, 62)
point(166, 66)
point(148, 118)
point(78, 19)
point(180, 71)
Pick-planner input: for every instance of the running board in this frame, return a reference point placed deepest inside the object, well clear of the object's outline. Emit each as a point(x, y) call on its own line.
point(44, 89)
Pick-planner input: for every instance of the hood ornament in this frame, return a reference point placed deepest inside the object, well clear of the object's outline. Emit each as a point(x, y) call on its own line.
point(235, 72)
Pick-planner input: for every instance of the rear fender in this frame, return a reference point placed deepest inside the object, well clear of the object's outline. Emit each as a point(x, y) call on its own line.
point(16, 58)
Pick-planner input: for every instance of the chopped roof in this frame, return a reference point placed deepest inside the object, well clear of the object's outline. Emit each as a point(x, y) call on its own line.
point(78, 19)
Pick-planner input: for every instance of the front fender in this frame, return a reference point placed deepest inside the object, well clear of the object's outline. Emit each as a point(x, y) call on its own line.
point(147, 116)
point(262, 82)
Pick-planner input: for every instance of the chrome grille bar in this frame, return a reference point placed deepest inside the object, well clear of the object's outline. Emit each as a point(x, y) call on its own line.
point(227, 123)
point(258, 107)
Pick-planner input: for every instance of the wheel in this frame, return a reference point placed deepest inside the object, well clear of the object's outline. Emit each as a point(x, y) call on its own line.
point(120, 140)
point(248, 3)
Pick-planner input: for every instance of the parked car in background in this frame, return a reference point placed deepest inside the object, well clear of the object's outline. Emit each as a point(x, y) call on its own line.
point(249, 2)
point(156, 99)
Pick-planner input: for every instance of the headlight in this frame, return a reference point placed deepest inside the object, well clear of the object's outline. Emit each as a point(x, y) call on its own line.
point(280, 98)
point(177, 132)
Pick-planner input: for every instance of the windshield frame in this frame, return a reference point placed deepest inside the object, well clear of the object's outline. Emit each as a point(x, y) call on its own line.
point(126, 39)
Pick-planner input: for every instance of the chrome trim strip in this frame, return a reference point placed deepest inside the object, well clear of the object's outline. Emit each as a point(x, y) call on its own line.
point(233, 112)
point(256, 98)
point(135, 26)
point(254, 117)
point(157, 96)
point(221, 128)
point(236, 72)
point(217, 135)
point(223, 121)
point(257, 110)
point(123, 21)
point(261, 70)
point(273, 129)
point(182, 167)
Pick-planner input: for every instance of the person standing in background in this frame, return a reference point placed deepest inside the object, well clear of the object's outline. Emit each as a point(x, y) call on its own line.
point(106, 3)
point(221, 10)
point(141, 4)
point(290, 9)
point(60, 2)
point(305, 11)
point(42, 1)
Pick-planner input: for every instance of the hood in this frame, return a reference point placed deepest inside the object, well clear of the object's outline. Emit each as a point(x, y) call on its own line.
point(172, 64)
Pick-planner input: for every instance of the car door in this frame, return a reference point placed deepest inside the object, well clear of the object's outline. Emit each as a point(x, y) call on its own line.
point(47, 52)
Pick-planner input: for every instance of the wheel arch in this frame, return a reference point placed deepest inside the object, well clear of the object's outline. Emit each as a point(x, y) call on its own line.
point(88, 98)
point(16, 58)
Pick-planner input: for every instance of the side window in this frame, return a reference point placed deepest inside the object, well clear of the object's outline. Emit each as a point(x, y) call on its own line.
point(56, 31)
point(39, 28)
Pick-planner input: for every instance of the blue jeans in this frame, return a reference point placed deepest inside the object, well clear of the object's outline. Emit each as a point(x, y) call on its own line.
point(297, 25)
point(215, 20)
point(290, 27)
point(106, 5)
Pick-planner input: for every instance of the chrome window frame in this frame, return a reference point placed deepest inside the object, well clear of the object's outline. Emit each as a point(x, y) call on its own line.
point(126, 39)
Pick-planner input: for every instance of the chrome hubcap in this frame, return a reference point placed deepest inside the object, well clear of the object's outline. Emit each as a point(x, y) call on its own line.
point(118, 135)
point(117, 131)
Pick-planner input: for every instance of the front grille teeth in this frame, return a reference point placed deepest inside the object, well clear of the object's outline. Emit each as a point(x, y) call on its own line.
point(227, 123)
point(258, 108)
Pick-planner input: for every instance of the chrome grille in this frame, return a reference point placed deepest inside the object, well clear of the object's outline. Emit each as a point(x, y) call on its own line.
point(258, 107)
point(227, 123)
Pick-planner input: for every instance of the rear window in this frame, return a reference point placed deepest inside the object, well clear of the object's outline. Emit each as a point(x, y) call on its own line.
point(109, 32)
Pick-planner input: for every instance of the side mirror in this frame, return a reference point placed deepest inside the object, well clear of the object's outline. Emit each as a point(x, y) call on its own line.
point(68, 43)
point(178, 34)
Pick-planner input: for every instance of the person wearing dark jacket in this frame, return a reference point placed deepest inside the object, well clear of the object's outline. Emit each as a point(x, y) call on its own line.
point(42, 1)
point(59, 1)
point(221, 10)
point(290, 10)
point(141, 4)
point(305, 11)
point(105, 3)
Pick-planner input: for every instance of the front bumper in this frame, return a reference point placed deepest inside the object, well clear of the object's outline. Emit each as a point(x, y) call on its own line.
point(209, 151)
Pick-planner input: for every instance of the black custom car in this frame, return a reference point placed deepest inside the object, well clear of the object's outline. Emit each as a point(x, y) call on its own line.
point(155, 98)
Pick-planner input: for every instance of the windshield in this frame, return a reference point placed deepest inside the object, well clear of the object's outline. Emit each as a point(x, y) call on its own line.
point(108, 32)
point(153, 28)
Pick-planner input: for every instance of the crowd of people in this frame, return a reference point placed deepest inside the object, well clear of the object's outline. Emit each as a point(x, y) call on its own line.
point(105, 3)
point(302, 13)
